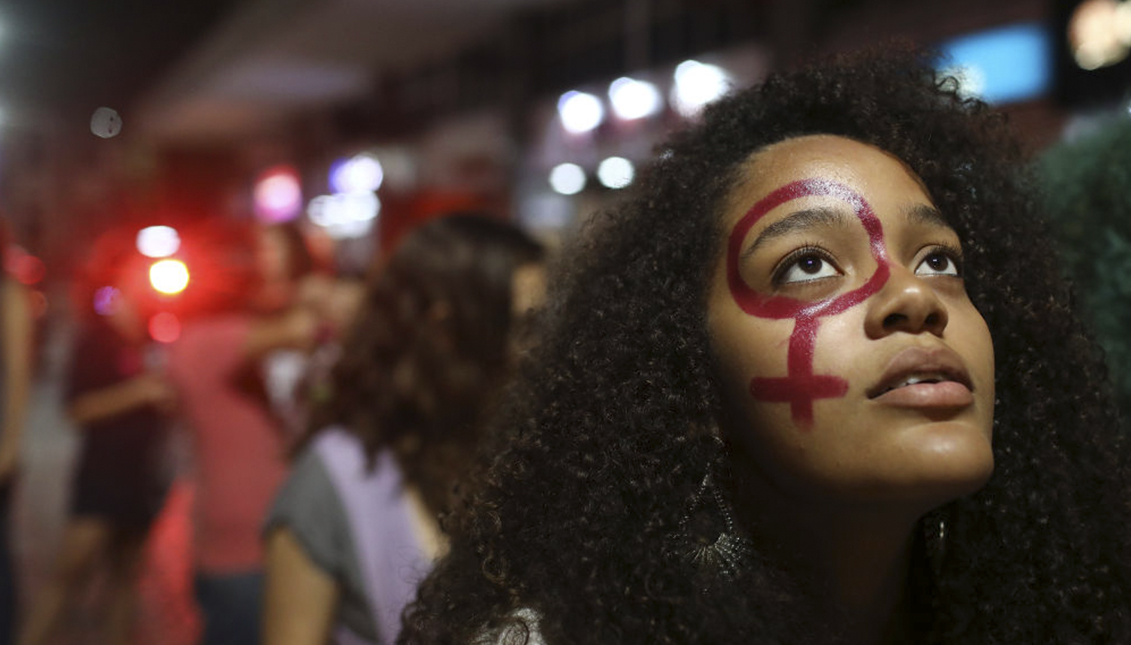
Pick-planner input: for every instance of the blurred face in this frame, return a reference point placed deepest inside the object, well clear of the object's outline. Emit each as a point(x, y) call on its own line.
point(855, 368)
point(271, 256)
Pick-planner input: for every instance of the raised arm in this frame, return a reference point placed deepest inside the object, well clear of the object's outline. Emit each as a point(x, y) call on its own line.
point(106, 402)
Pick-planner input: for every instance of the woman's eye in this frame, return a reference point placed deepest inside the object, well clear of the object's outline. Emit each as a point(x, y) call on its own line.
point(805, 268)
point(939, 263)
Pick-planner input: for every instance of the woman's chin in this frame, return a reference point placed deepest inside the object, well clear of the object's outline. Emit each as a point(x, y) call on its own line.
point(945, 464)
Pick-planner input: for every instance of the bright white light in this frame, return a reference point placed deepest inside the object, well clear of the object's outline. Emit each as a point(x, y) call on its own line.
point(1099, 33)
point(697, 84)
point(616, 172)
point(1122, 22)
point(170, 277)
point(158, 241)
point(278, 195)
point(971, 80)
point(361, 173)
point(633, 99)
point(567, 179)
point(580, 112)
point(345, 215)
point(278, 192)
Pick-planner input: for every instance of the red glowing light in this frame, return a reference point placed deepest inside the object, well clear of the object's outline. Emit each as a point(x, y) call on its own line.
point(25, 267)
point(164, 327)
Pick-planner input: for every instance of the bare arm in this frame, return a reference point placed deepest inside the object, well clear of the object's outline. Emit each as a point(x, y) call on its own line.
point(17, 351)
point(103, 403)
point(294, 329)
point(300, 599)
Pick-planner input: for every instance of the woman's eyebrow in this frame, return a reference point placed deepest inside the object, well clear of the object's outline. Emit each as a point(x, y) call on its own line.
point(800, 220)
point(926, 214)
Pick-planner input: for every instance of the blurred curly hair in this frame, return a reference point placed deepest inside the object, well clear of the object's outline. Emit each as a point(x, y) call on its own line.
point(568, 529)
point(430, 349)
point(1087, 192)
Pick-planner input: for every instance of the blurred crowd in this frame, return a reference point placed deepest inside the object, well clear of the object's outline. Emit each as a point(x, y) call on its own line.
point(289, 382)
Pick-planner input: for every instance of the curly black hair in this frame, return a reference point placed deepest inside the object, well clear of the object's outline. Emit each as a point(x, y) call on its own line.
point(431, 348)
point(609, 432)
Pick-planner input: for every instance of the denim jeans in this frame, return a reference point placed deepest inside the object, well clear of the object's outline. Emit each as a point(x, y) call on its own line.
point(7, 570)
point(230, 607)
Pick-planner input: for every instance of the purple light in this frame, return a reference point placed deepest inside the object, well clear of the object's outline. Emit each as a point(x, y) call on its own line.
point(106, 301)
point(278, 195)
point(359, 174)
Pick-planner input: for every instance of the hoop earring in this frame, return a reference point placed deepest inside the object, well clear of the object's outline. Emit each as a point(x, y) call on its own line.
point(709, 513)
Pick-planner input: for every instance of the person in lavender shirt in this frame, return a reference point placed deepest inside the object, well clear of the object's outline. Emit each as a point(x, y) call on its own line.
point(354, 527)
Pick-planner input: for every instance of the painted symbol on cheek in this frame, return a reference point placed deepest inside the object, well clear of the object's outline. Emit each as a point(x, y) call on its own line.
point(801, 387)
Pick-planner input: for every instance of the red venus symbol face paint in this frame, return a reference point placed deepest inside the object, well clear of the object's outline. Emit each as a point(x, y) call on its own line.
point(801, 387)
point(820, 285)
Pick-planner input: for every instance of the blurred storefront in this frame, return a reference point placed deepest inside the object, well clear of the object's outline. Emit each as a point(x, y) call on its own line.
point(542, 114)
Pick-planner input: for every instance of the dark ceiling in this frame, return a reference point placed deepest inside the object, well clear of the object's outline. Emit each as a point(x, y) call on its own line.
point(63, 58)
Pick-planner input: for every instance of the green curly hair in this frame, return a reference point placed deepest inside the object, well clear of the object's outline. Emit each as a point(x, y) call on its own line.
point(1087, 193)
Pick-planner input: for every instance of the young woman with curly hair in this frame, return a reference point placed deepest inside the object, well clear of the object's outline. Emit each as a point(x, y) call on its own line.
point(353, 529)
point(816, 381)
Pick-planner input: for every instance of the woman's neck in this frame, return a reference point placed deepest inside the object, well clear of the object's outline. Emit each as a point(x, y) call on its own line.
point(855, 560)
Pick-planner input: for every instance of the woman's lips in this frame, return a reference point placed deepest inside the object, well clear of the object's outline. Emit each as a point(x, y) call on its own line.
point(944, 394)
point(918, 377)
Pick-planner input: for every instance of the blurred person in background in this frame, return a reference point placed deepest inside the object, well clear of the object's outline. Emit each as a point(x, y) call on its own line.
point(120, 401)
point(291, 281)
point(1087, 193)
point(354, 527)
point(283, 260)
point(238, 444)
point(16, 338)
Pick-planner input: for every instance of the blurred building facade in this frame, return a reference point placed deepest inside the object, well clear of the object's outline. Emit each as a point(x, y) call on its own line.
point(460, 103)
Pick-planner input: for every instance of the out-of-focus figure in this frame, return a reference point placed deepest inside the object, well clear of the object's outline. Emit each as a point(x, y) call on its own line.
point(286, 267)
point(16, 331)
point(354, 528)
point(239, 448)
point(120, 400)
point(1087, 186)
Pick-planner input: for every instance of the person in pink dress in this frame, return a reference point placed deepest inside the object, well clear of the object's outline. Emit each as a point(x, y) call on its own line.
point(238, 446)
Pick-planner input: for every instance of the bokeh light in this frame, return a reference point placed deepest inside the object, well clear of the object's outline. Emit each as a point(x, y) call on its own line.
point(360, 173)
point(580, 112)
point(1099, 33)
point(169, 277)
point(105, 300)
point(633, 99)
point(616, 172)
point(158, 241)
point(278, 195)
point(697, 84)
point(345, 215)
point(23, 266)
point(164, 327)
point(567, 179)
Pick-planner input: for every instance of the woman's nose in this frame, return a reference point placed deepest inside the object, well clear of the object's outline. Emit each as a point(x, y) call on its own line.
point(906, 303)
